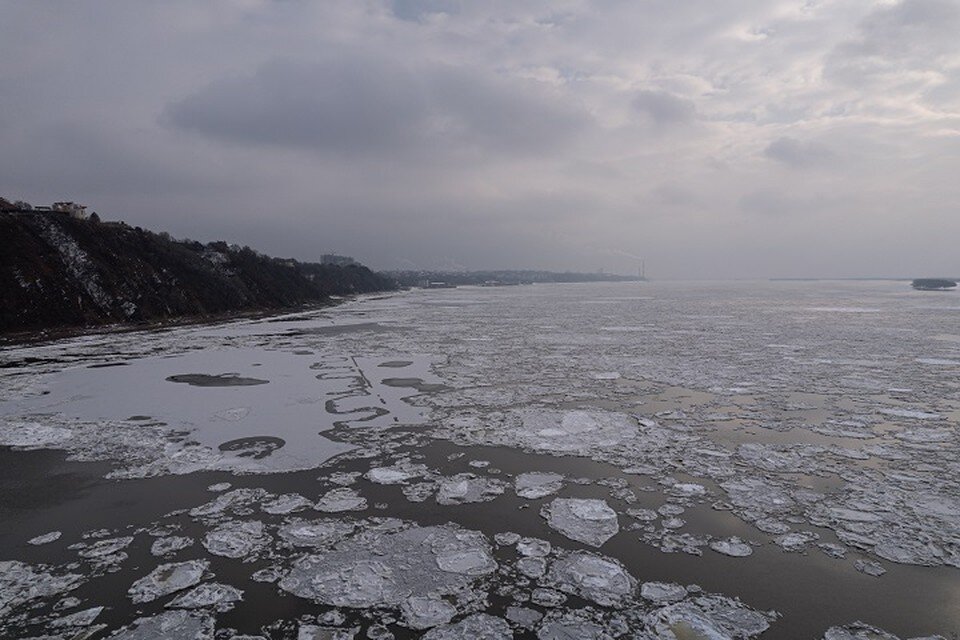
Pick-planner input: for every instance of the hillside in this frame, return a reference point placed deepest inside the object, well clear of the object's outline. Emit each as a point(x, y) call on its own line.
point(58, 271)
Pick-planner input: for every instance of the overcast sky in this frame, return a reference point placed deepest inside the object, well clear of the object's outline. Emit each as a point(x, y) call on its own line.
point(715, 139)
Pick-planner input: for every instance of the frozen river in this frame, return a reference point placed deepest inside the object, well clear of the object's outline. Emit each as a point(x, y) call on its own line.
point(638, 460)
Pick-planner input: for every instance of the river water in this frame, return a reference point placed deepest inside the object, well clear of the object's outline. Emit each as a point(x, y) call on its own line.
point(677, 460)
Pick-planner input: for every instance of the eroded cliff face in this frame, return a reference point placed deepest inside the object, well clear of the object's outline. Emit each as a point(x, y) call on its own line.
point(58, 271)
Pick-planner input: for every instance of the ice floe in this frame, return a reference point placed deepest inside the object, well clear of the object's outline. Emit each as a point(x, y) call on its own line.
point(209, 595)
point(378, 568)
point(237, 539)
point(712, 617)
point(585, 520)
point(46, 538)
point(169, 545)
point(287, 503)
point(167, 579)
point(662, 592)
point(339, 500)
point(424, 612)
point(315, 533)
point(20, 583)
point(592, 577)
point(169, 625)
point(537, 484)
point(466, 488)
point(479, 626)
point(733, 546)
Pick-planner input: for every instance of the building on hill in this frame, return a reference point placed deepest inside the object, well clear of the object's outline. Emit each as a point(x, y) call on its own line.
point(72, 209)
point(340, 261)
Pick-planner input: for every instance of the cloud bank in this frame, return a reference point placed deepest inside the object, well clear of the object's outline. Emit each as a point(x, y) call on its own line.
point(751, 138)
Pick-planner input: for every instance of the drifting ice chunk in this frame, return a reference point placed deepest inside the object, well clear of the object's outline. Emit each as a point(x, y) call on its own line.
point(589, 521)
point(170, 544)
point(236, 540)
point(169, 625)
point(424, 612)
point(167, 579)
point(857, 631)
point(574, 432)
point(107, 549)
point(547, 597)
point(287, 503)
point(536, 485)
point(523, 617)
point(390, 475)
point(796, 541)
point(238, 501)
point(479, 626)
point(643, 515)
point(662, 592)
point(83, 618)
point(466, 487)
point(378, 568)
point(338, 500)
point(316, 533)
point(869, 567)
point(709, 617)
point(533, 547)
point(316, 632)
point(757, 495)
point(833, 550)
point(734, 547)
point(419, 492)
point(688, 490)
point(602, 580)
point(20, 583)
point(45, 538)
point(470, 562)
point(532, 567)
point(220, 597)
point(566, 625)
point(506, 538)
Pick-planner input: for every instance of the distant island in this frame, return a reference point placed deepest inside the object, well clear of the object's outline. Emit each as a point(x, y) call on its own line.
point(60, 267)
point(934, 284)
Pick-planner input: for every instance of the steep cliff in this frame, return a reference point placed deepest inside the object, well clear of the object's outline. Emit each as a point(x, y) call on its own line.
point(60, 271)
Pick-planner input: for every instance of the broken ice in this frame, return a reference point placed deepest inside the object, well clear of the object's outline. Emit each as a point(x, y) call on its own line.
point(167, 579)
point(600, 579)
point(536, 484)
point(384, 569)
point(343, 499)
point(466, 488)
point(585, 520)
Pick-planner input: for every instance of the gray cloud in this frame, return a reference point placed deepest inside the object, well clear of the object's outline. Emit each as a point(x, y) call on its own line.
point(357, 104)
point(664, 108)
point(419, 9)
point(895, 42)
point(799, 153)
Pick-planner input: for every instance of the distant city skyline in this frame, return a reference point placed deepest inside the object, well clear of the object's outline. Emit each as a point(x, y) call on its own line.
point(712, 140)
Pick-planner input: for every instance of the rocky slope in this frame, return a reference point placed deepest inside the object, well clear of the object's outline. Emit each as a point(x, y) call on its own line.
point(58, 271)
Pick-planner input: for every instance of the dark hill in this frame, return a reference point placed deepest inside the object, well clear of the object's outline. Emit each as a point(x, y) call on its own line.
point(59, 271)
